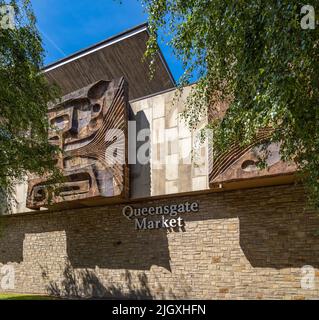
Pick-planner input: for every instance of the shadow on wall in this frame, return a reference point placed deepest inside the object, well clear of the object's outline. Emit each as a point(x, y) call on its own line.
point(98, 238)
point(285, 236)
point(3, 203)
point(140, 174)
point(11, 241)
point(275, 232)
point(86, 284)
point(108, 240)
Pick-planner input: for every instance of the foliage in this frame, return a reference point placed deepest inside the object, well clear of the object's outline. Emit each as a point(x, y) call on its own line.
point(16, 296)
point(24, 95)
point(255, 56)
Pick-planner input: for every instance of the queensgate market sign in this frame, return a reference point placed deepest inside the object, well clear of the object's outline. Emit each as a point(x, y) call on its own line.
point(168, 216)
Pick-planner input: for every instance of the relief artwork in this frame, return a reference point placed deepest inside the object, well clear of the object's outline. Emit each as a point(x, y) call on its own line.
point(89, 126)
point(241, 163)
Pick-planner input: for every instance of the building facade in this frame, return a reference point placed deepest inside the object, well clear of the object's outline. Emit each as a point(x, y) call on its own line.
point(165, 220)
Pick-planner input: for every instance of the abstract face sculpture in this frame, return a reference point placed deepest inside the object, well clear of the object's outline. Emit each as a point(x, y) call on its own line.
point(241, 163)
point(90, 127)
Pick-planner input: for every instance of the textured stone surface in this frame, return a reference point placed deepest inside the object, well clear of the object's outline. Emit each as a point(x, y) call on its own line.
point(172, 145)
point(241, 244)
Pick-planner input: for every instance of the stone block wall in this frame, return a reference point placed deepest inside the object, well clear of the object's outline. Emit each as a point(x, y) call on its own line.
point(244, 244)
point(179, 161)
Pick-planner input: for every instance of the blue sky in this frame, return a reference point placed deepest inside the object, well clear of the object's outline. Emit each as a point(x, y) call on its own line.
point(67, 26)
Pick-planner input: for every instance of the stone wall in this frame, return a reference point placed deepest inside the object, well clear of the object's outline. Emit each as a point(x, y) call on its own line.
point(17, 203)
point(241, 244)
point(178, 159)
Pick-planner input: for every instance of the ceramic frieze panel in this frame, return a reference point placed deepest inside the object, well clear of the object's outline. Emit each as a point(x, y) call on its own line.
point(88, 125)
point(240, 163)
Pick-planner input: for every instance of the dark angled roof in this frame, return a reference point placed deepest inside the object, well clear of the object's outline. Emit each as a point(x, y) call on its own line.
point(118, 56)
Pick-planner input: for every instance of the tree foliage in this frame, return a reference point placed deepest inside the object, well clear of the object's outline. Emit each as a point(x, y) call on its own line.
point(24, 95)
point(256, 56)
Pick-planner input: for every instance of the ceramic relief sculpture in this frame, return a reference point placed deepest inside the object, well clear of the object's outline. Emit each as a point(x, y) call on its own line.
point(241, 163)
point(89, 126)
